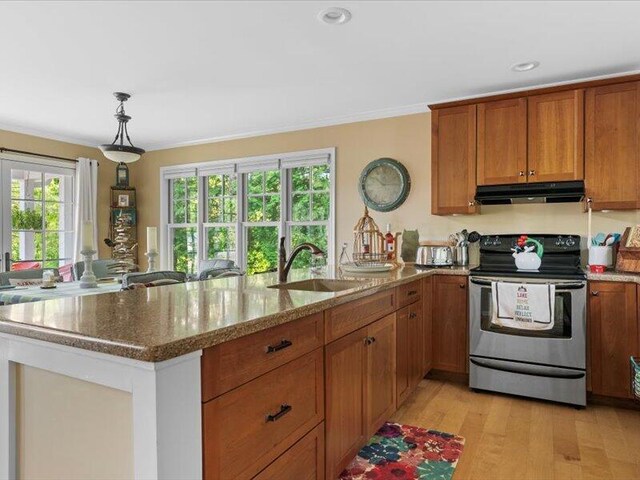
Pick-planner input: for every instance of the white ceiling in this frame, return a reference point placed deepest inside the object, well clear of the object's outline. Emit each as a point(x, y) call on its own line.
point(210, 70)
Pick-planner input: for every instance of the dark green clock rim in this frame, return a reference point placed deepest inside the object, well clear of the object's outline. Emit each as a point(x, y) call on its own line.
point(402, 196)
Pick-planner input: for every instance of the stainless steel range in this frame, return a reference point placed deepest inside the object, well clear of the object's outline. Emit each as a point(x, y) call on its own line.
point(547, 364)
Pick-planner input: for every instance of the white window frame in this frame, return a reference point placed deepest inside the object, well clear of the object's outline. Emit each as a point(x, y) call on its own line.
point(242, 166)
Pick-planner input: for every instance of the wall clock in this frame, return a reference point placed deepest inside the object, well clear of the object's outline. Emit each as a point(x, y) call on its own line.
point(384, 184)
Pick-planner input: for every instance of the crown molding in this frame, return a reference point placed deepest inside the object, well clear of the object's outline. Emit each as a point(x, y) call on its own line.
point(46, 135)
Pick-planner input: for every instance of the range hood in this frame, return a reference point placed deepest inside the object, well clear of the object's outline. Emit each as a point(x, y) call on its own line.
point(549, 192)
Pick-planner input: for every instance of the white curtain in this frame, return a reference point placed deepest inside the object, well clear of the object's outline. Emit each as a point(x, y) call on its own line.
point(86, 202)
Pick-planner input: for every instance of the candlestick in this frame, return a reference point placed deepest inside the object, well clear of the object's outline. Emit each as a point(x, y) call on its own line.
point(87, 235)
point(152, 239)
point(88, 279)
point(151, 257)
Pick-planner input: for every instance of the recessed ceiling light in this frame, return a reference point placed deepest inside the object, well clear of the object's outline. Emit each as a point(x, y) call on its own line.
point(525, 67)
point(335, 16)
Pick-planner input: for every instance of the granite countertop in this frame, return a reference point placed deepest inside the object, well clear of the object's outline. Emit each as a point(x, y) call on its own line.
point(613, 276)
point(160, 323)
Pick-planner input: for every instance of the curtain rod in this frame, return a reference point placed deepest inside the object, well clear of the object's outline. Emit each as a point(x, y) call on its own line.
point(11, 150)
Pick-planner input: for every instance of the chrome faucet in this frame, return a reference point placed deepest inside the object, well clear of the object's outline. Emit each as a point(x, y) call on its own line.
point(284, 265)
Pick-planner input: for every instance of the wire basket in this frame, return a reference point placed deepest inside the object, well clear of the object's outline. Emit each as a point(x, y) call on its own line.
point(368, 242)
point(635, 377)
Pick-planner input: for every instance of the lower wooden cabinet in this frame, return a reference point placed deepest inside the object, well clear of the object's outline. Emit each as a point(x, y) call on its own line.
point(427, 324)
point(409, 350)
point(450, 323)
point(303, 461)
point(358, 367)
point(613, 336)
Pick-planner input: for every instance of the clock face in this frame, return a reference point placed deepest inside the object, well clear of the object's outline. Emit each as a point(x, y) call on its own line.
point(384, 184)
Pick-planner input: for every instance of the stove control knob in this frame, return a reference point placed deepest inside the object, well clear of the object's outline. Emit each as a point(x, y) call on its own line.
point(570, 242)
point(559, 241)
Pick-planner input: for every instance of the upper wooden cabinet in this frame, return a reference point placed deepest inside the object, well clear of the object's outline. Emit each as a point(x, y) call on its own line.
point(502, 142)
point(556, 136)
point(612, 146)
point(453, 160)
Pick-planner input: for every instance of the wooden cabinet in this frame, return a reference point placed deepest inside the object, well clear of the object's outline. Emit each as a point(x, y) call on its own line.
point(409, 293)
point(453, 160)
point(613, 336)
point(409, 347)
point(303, 461)
point(427, 324)
point(502, 142)
point(356, 369)
point(450, 325)
point(612, 146)
point(555, 136)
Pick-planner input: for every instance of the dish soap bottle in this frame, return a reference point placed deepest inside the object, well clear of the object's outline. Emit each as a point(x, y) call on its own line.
point(390, 242)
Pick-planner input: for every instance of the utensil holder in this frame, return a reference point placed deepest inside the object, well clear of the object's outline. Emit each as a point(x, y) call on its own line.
point(462, 255)
point(600, 257)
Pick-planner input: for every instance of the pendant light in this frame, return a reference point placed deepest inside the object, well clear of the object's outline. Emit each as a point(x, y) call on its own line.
point(117, 150)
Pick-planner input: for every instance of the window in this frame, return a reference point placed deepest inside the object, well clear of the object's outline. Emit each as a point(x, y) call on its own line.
point(37, 204)
point(237, 210)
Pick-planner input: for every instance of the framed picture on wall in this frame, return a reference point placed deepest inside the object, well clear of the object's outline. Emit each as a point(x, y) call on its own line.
point(123, 200)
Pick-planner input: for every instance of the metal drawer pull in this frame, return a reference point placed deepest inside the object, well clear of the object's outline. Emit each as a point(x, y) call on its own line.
point(412, 292)
point(532, 172)
point(595, 293)
point(413, 315)
point(281, 346)
point(521, 173)
point(462, 285)
point(369, 340)
point(284, 409)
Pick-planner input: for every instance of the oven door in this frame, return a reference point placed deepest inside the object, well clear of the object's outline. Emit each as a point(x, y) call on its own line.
point(562, 346)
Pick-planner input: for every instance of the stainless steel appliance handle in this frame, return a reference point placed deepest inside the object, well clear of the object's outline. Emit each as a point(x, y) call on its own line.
point(533, 370)
point(559, 285)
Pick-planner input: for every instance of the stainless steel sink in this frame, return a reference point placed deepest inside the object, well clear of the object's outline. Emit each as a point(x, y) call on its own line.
point(319, 285)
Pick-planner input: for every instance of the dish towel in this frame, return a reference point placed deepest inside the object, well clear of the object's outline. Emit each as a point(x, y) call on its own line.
point(523, 306)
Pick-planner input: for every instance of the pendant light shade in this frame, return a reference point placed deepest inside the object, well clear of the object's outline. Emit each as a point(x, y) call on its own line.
point(118, 151)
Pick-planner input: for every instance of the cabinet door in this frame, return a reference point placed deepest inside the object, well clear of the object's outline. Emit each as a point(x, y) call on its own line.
point(416, 341)
point(380, 379)
point(612, 146)
point(613, 336)
point(450, 324)
point(403, 385)
point(502, 142)
point(344, 401)
point(427, 307)
point(555, 134)
point(453, 160)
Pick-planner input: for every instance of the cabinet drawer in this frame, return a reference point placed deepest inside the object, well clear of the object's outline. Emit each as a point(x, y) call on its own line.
point(409, 293)
point(247, 428)
point(347, 318)
point(233, 363)
point(303, 461)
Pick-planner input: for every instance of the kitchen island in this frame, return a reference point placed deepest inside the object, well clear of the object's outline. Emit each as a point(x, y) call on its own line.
point(148, 343)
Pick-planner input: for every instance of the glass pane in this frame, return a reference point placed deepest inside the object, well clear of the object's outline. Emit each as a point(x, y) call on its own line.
point(262, 249)
point(230, 184)
point(179, 211)
point(179, 188)
point(300, 179)
point(221, 243)
point(53, 212)
point(272, 208)
point(300, 207)
point(214, 206)
point(53, 263)
point(321, 177)
point(26, 215)
point(26, 246)
point(185, 244)
point(321, 206)
point(254, 182)
point(192, 188)
point(52, 187)
point(273, 181)
point(254, 210)
point(192, 211)
point(215, 185)
point(25, 184)
point(230, 209)
point(316, 234)
point(52, 245)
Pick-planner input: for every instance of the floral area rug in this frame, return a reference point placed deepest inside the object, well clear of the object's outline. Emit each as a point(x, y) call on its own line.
point(403, 452)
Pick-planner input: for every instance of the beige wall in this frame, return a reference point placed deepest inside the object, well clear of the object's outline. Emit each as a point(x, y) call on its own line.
point(106, 171)
point(406, 139)
point(71, 429)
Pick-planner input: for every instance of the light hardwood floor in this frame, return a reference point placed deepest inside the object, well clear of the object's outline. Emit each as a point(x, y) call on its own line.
point(512, 438)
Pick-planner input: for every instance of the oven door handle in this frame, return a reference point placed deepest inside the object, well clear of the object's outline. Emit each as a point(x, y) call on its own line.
point(559, 286)
point(533, 370)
